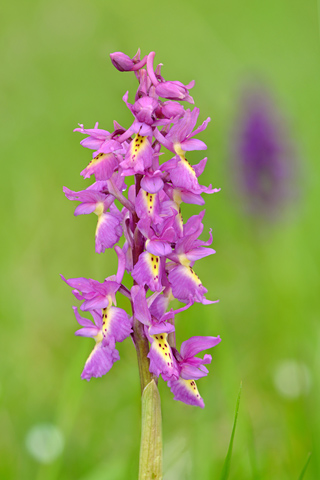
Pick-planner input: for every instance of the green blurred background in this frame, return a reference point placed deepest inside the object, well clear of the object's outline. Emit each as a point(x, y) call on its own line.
point(55, 72)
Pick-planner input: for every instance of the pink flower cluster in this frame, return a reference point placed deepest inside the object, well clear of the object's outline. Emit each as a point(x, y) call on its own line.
point(159, 249)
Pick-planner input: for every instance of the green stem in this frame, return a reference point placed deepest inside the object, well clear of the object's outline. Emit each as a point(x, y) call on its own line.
point(150, 463)
point(150, 467)
point(142, 348)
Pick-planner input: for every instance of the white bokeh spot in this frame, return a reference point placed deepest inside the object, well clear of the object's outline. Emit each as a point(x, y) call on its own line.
point(292, 379)
point(44, 442)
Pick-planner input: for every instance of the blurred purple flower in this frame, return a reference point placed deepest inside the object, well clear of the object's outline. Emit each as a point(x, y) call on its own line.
point(264, 155)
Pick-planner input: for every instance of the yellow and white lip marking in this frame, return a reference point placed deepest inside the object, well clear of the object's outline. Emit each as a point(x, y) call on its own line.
point(190, 272)
point(177, 198)
point(106, 319)
point(184, 161)
point(137, 146)
point(189, 167)
point(154, 264)
point(177, 148)
point(99, 158)
point(184, 260)
point(101, 218)
point(161, 345)
point(149, 199)
point(99, 209)
point(98, 338)
point(191, 387)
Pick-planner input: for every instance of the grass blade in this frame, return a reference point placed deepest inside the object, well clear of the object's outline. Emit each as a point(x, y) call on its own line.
point(305, 467)
point(227, 462)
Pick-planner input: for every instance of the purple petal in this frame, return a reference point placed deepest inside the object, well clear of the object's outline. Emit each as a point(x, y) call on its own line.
point(193, 144)
point(161, 358)
point(147, 204)
point(139, 155)
point(92, 143)
point(163, 140)
point(202, 127)
point(108, 232)
point(144, 109)
point(94, 132)
point(184, 282)
point(121, 61)
point(97, 317)
point(161, 327)
point(159, 306)
point(84, 322)
point(99, 362)
point(194, 345)
point(158, 248)
point(99, 301)
point(77, 295)
point(102, 166)
point(82, 284)
point(180, 131)
point(140, 305)
point(173, 90)
point(197, 253)
point(116, 324)
point(171, 109)
point(86, 196)
point(147, 271)
point(121, 264)
point(200, 166)
point(188, 197)
point(190, 372)
point(85, 209)
point(88, 332)
point(184, 176)
point(151, 184)
point(186, 391)
point(172, 312)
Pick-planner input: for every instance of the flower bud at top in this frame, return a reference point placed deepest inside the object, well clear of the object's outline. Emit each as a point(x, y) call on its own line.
point(175, 91)
point(122, 62)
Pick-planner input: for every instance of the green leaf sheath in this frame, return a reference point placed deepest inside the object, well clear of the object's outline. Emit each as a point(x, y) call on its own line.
point(150, 467)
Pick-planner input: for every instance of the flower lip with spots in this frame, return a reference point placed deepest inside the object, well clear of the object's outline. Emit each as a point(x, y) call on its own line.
point(191, 368)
